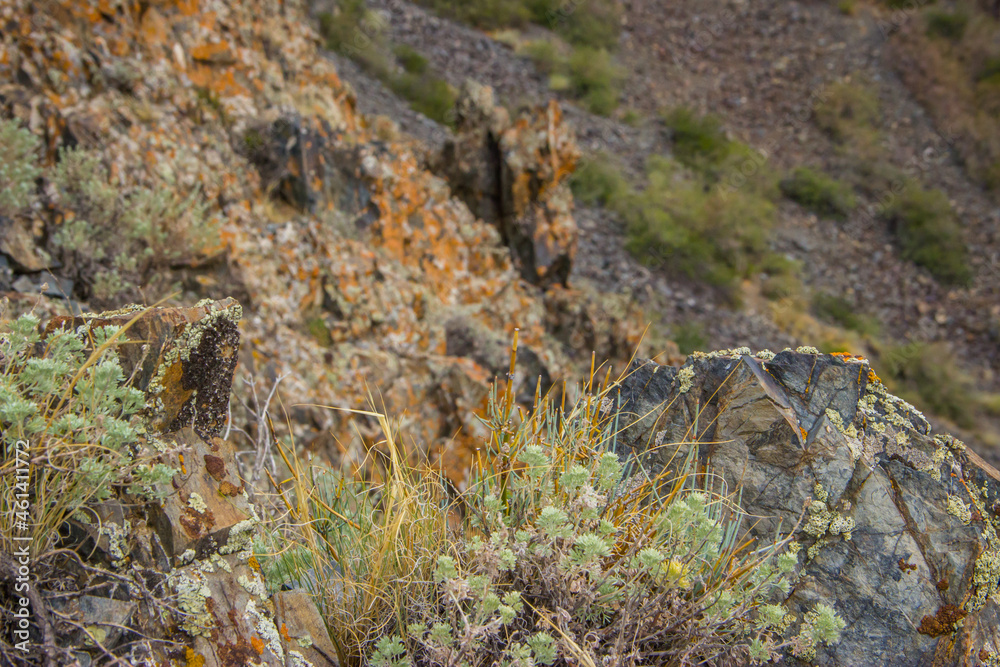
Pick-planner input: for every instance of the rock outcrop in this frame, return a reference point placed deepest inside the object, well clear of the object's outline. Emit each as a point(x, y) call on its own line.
point(900, 526)
point(349, 254)
point(213, 604)
point(514, 174)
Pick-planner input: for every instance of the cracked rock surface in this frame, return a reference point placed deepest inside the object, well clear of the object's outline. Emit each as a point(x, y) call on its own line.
point(900, 525)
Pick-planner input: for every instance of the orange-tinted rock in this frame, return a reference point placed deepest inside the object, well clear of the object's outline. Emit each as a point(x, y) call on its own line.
point(187, 358)
point(514, 174)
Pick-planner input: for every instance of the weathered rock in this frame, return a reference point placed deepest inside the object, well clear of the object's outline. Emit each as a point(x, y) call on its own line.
point(198, 542)
point(466, 339)
point(186, 359)
point(300, 159)
point(901, 526)
point(513, 174)
point(299, 622)
point(18, 244)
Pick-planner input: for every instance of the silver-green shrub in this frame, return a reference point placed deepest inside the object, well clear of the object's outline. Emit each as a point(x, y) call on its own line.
point(67, 397)
point(18, 168)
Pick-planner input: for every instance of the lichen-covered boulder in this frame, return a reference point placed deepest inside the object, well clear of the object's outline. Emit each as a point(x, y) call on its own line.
point(900, 526)
point(198, 540)
point(514, 174)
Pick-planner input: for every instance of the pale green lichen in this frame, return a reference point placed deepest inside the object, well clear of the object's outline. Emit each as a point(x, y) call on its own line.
point(221, 562)
point(986, 574)
point(959, 509)
point(823, 520)
point(734, 352)
point(950, 442)
point(822, 494)
point(305, 641)
point(296, 659)
point(130, 309)
point(197, 503)
point(265, 627)
point(807, 349)
point(117, 540)
point(765, 355)
point(187, 556)
point(192, 594)
point(986, 578)
point(240, 537)
point(685, 377)
point(253, 585)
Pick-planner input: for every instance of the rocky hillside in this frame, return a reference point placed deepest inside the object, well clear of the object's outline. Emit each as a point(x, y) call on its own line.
point(184, 150)
point(823, 102)
point(188, 150)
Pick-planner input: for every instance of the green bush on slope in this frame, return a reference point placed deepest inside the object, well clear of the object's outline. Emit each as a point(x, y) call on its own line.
point(710, 222)
point(109, 242)
point(929, 234)
point(819, 193)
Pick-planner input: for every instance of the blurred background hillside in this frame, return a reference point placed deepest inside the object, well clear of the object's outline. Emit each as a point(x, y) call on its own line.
point(392, 188)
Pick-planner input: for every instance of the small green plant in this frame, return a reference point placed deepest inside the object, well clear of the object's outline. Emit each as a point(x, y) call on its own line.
point(929, 375)
point(354, 31)
point(780, 276)
point(849, 112)
point(699, 141)
point(485, 14)
point(411, 59)
point(589, 74)
point(686, 223)
point(340, 27)
point(545, 54)
point(847, 7)
point(67, 399)
point(989, 70)
point(19, 170)
point(593, 24)
point(689, 336)
point(818, 192)
point(632, 118)
point(595, 77)
point(598, 180)
point(840, 311)
point(587, 23)
point(949, 25)
point(112, 242)
point(929, 234)
point(428, 94)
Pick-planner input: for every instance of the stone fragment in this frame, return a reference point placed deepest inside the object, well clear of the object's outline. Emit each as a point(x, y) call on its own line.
point(186, 358)
point(300, 624)
point(203, 515)
point(17, 244)
point(514, 174)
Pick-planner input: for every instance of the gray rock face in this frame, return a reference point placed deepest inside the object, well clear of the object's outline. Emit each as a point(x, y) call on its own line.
point(900, 527)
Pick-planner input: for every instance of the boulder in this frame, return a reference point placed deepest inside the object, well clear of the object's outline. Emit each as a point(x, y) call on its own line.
point(900, 525)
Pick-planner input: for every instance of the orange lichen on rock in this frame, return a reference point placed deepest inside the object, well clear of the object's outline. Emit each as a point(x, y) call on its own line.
point(943, 622)
point(193, 659)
